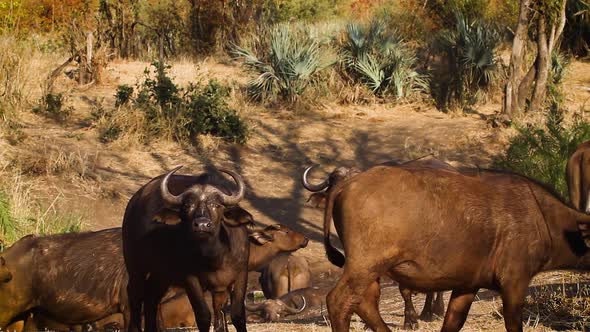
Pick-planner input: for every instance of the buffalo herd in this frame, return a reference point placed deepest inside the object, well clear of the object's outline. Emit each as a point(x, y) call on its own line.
point(429, 226)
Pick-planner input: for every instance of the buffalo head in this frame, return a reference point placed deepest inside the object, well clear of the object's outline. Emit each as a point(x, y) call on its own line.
point(201, 207)
point(274, 308)
point(5, 275)
point(283, 238)
point(321, 190)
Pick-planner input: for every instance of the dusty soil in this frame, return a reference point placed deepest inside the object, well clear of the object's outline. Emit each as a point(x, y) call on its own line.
point(282, 144)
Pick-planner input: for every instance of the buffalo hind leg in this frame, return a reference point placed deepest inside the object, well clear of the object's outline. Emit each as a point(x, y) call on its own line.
point(344, 298)
point(433, 307)
point(410, 315)
point(368, 309)
point(458, 309)
point(238, 296)
point(197, 300)
point(438, 307)
point(426, 314)
point(513, 301)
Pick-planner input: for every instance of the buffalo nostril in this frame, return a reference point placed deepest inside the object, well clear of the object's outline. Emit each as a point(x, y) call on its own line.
point(209, 225)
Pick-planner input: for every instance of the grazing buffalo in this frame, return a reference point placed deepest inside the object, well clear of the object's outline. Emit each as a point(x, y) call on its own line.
point(434, 229)
point(284, 274)
point(578, 177)
point(204, 252)
point(75, 278)
point(432, 306)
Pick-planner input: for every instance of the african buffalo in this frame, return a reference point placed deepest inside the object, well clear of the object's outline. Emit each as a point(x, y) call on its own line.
point(283, 274)
point(434, 229)
point(291, 303)
point(75, 277)
point(578, 177)
point(195, 254)
point(432, 306)
point(175, 310)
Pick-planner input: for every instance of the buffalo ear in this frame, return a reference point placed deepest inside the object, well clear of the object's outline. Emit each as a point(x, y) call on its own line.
point(260, 238)
point(236, 216)
point(167, 217)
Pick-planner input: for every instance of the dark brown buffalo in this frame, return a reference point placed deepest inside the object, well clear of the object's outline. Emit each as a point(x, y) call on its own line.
point(432, 306)
point(76, 277)
point(578, 177)
point(204, 252)
point(175, 310)
point(292, 303)
point(434, 229)
point(284, 274)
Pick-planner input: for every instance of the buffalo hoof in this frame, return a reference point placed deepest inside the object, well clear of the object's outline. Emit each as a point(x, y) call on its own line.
point(426, 316)
point(410, 324)
point(439, 311)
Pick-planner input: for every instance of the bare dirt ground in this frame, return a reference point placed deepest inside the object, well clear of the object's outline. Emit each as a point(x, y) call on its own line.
point(282, 144)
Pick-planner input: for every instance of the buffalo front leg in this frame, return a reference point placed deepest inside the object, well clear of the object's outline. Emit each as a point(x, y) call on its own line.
point(219, 299)
point(410, 315)
point(197, 300)
point(513, 301)
point(154, 293)
point(368, 309)
point(458, 309)
point(135, 294)
point(238, 296)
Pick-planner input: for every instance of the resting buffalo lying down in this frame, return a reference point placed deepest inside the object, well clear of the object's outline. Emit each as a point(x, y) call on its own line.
point(291, 303)
point(434, 229)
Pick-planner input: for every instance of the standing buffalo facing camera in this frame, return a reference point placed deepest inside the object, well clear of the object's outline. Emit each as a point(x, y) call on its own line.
point(203, 252)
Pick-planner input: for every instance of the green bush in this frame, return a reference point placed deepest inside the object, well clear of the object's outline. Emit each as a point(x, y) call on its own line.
point(287, 61)
point(123, 95)
point(576, 35)
point(470, 49)
point(53, 105)
point(558, 69)
point(168, 110)
point(542, 152)
point(376, 57)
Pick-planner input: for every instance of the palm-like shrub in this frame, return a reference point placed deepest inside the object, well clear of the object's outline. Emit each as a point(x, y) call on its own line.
point(377, 57)
point(286, 62)
point(470, 49)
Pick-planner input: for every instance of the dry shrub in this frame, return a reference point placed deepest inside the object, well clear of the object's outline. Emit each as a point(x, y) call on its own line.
point(565, 306)
point(15, 71)
point(53, 160)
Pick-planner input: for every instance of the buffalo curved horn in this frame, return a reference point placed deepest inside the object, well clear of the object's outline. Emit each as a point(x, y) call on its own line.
point(313, 187)
point(293, 311)
point(236, 197)
point(166, 194)
point(254, 307)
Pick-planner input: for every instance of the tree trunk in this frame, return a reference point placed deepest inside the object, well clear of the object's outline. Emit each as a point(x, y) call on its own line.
point(514, 70)
point(542, 64)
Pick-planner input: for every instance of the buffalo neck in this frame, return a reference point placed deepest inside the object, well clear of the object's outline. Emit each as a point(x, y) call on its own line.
point(568, 250)
point(260, 256)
